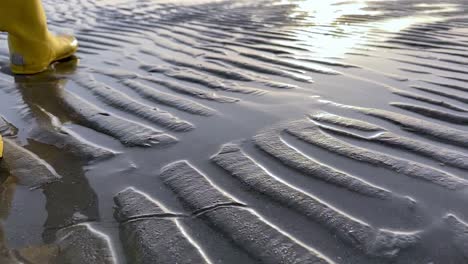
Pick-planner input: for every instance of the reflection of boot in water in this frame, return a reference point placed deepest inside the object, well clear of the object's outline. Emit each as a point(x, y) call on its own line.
point(44, 90)
point(6, 255)
point(34, 254)
point(70, 200)
point(32, 47)
point(6, 197)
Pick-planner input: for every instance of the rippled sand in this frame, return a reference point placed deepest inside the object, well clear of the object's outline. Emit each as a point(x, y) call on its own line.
point(241, 132)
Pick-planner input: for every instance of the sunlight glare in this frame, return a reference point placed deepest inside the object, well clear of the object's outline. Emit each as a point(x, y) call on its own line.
point(334, 38)
point(332, 30)
point(327, 12)
point(399, 24)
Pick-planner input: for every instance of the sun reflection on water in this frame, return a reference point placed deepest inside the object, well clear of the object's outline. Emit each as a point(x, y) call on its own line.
point(438, 7)
point(399, 24)
point(327, 35)
point(335, 27)
point(327, 12)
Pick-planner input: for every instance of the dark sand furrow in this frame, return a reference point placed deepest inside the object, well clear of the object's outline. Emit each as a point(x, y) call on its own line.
point(273, 32)
point(112, 63)
point(432, 66)
point(106, 36)
point(267, 35)
point(413, 71)
point(381, 46)
point(415, 125)
point(92, 48)
point(321, 61)
point(268, 43)
point(424, 57)
point(176, 47)
point(242, 226)
point(209, 32)
point(433, 113)
point(429, 100)
point(80, 244)
point(422, 36)
point(419, 44)
point(169, 99)
point(111, 29)
point(194, 92)
point(27, 167)
point(444, 155)
point(70, 142)
point(153, 68)
point(212, 83)
point(311, 133)
point(271, 143)
point(86, 52)
point(456, 78)
point(277, 61)
point(128, 27)
point(357, 233)
point(459, 62)
point(117, 74)
point(175, 31)
point(257, 48)
point(183, 41)
point(332, 119)
point(279, 85)
point(127, 132)
point(216, 49)
point(93, 41)
point(259, 68)
point(441, 154)
point(215, 70)
point(455, 97)
point(125, 103)
point(200, 24)
point(448, 85)
point(462, 55)
point(151, 239)
point(201, 33)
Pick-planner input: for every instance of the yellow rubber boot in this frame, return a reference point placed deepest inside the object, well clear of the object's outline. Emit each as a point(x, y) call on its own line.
point(32, 47)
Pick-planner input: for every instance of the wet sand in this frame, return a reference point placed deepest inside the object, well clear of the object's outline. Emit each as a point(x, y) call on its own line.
point(248, 131)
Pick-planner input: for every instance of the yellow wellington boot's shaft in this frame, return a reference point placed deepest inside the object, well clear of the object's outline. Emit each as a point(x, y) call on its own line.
point(32, 47)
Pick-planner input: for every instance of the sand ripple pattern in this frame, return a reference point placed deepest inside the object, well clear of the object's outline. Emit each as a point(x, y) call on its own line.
point(250, 132)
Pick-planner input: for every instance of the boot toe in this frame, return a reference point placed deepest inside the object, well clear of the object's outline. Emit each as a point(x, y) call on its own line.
point(68, 45)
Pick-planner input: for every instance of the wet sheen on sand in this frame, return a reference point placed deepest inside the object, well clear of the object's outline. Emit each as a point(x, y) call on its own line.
point(241, 132)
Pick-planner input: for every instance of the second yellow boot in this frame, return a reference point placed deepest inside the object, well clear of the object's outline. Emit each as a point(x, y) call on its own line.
point(32, 47)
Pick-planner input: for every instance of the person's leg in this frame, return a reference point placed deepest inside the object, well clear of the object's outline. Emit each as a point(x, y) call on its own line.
point(32, 46)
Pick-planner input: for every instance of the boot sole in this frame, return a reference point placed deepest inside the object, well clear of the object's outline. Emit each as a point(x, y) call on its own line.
point(29, 69)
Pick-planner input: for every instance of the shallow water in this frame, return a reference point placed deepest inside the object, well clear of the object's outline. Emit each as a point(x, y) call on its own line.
point(262, 75)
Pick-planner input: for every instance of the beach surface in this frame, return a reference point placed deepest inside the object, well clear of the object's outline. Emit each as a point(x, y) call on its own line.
point(241, 132)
